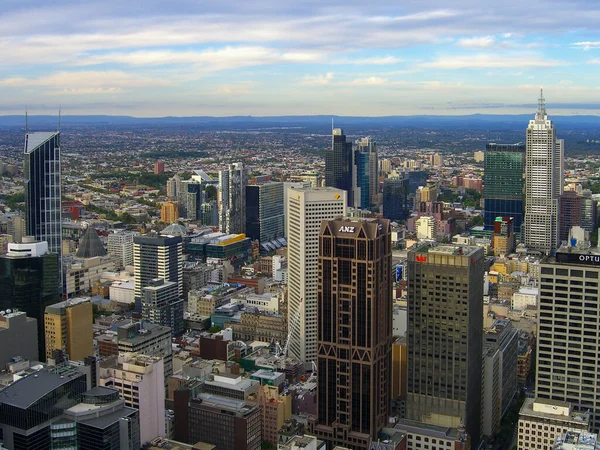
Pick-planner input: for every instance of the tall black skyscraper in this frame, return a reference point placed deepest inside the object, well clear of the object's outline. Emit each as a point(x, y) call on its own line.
point(41, 172)
point(339, 164)
point(395, 199)
point(354, 331)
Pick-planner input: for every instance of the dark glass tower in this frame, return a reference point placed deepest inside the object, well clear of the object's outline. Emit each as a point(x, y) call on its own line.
point(445, 336)
point(41, 172)
point(265, 219)
point(367, 172)
point(28, 282)
point(395, 199)
point(354, 308)
point(503, 183)
point(339, 164)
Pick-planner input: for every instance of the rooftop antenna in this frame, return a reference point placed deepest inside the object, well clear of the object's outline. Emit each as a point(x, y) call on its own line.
point(59, 111)
point(541, 105)
point(26, 121)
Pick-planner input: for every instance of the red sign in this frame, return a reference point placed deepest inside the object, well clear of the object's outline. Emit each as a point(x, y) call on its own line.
point(421, 258)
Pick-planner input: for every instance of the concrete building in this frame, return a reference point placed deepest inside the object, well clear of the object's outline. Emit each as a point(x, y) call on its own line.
point(122, 292)
point(541, 421)
point(568, 350)
point(232, 199)
point(265, 217)
point(544, 179)
point(420, 435)
point(445, 336)
point(306, 209)
point(68, 327)
point(140, 381)
point(18, 337)
point(275, 409)
point(524, 297)
point(426, 228)
point(120, 247)
point(573, 440)
point(169, 212)
point(354, 297)
point(162, 305)
point(82, 274)
point(479, 156)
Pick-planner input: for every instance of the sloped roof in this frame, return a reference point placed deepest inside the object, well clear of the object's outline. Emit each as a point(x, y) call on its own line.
point(91, 245)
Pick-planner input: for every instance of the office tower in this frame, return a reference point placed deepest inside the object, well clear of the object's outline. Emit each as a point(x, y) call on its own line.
point(34, 402)
point(120, 247)
point(148, 339)
point(339, 164)
point(543, 183)
point(265, 218)
point(91, 245)
point(445, 334)
point(173, 187)
point(232, 199)
point(426, 227)
point(16, 227)
point(41, 172)
point(18, 337)
point(504, 239)
point(191, 197)
point(68, 327)
point(156, 257)
point(395, 199)
point(169, 212)
point(504, 184)
point(28, 274)
point(163, 305)
point(588, 211)
point(570, 214)
point(367, 172)
point(159, 167)
point(568, 348)
point(140, 380)
point(306, 209)
point(354, 331)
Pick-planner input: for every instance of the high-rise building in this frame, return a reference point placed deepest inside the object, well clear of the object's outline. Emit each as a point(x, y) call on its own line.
point(588, 211)
point(504, 183)
point(232, 199)
point(367, 173)
point(191, 197)
point(173, 187)
point(18, 337)
point(68, 327)
point(544, 175)
point(120, 247)
point(569, 319)
point(28, 275)
point(570, 214)
point(445, 336)
point(169, 212)
point(339, 165)
point(395, 199)
point(306, 209)
point(163, 305)
point(159, 167)
point(265, 218)
point(354, 331)
point(41, 173)
point(157, 257)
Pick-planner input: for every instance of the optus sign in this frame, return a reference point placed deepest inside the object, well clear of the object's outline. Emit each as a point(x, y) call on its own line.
point(421, 258)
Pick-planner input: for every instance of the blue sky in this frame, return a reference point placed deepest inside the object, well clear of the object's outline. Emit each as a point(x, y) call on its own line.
point(267, 57)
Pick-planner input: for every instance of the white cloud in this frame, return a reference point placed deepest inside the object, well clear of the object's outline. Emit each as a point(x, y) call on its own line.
point(369, 81)
point(594, 61)
point(489, 61)
point(587, 45)
point(86, 80)
point(319, 80)
point(375, 61)
point(477, 42)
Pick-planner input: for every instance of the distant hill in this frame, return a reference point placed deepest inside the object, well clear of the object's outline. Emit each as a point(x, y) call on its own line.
point(486, 121)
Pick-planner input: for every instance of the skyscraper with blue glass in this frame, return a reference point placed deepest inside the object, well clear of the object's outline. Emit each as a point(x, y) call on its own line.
point(503, 186)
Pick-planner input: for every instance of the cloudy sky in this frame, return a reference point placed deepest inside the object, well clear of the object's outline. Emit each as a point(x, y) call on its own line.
point(274, 57)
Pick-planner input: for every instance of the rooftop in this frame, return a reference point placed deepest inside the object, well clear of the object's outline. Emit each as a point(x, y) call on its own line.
point(34, 140)
point(27, 390)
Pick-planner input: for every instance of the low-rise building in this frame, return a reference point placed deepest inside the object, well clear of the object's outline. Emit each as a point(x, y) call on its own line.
point(18, 337)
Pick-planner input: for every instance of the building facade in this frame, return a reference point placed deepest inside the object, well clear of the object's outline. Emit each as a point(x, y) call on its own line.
point(162, 305)
point(265, 218)
point(68, 327)
point(232, 199)
point(306, 209)
point(445, 336)
point(395, 199)
point(169, 212)
point(354, 300)
point(18, 337)
point(120, 247)
point(544, 179)
point(339, 165)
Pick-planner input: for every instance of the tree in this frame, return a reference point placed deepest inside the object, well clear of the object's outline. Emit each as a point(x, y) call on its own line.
point(214, 329)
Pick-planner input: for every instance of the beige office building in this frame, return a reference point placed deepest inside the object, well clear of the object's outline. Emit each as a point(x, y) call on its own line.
point(68, 327)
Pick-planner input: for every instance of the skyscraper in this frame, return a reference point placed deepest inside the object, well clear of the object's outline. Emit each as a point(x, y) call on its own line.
point(232, 199)
point(68, 327)
point(504, 183)
point(41, 173)
point(445, 336)
point(162, 304)
point(395, 199)
point(367, 172)
point(354, 331)
point(156, 257)
point(306, 208)
point(568, 353)
point(543, 182)
point(339, 164)
point(265, 218)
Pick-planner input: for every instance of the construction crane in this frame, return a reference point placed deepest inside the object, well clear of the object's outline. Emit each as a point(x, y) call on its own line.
point(291, 326)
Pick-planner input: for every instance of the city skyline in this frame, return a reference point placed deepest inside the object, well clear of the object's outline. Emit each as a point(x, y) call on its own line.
point(268, 58)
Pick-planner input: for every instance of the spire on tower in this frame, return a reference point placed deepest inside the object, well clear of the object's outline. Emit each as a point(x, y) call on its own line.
point(26, 121)
point(59, 110)
point(541, 105)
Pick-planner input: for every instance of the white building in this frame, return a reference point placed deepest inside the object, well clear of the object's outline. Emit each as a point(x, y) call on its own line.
point(82, 274)
point(541, 421)
point(306, 209)
point(426, 228)
point(122, 292)
point(120, 247)
point(266, 301)
point(544, 175)
point(140, 381)
point(523, 298)
point(30, 248)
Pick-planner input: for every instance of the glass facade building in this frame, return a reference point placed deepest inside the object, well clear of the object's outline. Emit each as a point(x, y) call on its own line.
point(339, 164)
point(265, 220)
point(395, 199)
point(503, 183)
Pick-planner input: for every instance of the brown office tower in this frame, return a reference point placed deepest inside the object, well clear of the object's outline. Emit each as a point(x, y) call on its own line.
point(445, 336)
point(354, 308)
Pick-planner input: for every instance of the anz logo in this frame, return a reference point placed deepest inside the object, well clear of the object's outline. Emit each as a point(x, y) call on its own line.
point(421, 259)
point(345, 229)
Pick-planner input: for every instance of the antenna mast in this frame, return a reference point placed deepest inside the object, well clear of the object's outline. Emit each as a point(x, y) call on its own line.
point(59, 111)
point(542, 105)
point(26, 121)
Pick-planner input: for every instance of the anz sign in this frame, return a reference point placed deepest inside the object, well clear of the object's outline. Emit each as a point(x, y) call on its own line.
point(346, 229)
